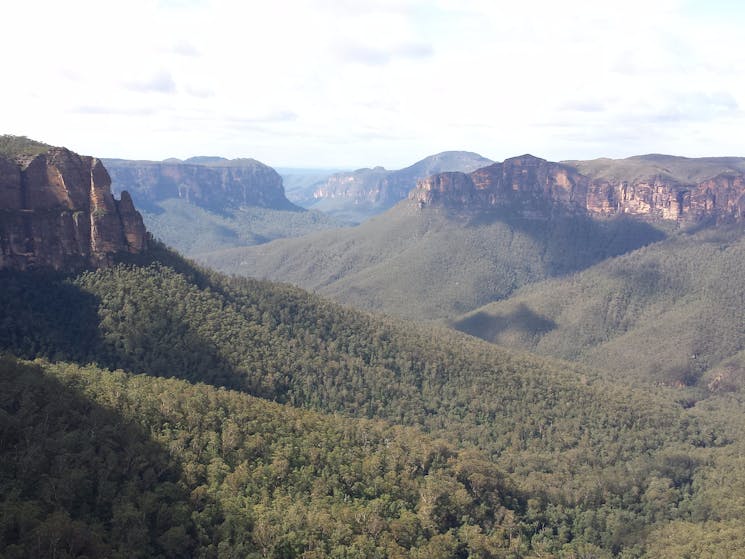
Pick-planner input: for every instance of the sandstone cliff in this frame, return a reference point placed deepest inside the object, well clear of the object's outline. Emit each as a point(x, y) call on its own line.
point(57, 211)
point(381, 187)
point(689, 191)
point(212, 183)
point(528, 185)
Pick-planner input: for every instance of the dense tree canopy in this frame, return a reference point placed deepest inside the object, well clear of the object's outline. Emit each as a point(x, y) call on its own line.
point(432, 443)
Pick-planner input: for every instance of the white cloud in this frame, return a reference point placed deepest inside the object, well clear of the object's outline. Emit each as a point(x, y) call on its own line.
point(303, 82)
point(159, 82)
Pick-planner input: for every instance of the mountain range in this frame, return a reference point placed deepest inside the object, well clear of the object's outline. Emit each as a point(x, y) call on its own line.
point(462, 240)
point(153, 408)
point(203, 204)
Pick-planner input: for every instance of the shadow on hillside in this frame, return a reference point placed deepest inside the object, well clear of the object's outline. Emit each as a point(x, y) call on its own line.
point(46, 314)
point(571, 243)
point(42, 313)
point(647, 280)
point(81, 480)
point(523, 322)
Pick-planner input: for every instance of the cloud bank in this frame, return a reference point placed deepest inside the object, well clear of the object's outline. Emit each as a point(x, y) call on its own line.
point(342, 83)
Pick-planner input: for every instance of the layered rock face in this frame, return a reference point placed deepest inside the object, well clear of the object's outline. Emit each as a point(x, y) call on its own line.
point(721, 198)
point(381, 187)
point(364, 186)
point(536, 188)
point(57, 211)
point(215, 184)
point(530, 186)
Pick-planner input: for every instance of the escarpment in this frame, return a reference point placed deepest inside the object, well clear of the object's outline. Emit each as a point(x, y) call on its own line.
point(532, 187)
point(215, 184)
point(57, 211)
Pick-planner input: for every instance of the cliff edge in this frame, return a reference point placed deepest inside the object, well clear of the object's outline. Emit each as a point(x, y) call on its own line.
point(57, 211)
point(535, 188)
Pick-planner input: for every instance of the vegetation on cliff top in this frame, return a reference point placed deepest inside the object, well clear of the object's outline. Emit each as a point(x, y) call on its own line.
point(14, 146)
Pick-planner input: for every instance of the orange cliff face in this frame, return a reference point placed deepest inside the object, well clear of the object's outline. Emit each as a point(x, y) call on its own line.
point(57, 211)
point(720, 198)
point(531, 187)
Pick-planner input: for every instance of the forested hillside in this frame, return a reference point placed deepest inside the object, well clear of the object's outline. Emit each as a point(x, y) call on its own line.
point(580, 463)
point(672, 312)
point(136, 466)
point(434, 263)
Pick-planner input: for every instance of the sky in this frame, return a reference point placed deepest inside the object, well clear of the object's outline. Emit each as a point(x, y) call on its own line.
point(348, 84)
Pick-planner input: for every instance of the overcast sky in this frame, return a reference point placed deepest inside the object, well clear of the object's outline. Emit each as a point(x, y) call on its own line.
point(361, 83)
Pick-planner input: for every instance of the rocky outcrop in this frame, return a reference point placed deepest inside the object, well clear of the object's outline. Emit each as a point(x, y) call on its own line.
point(380, 187)
point(57, 211)
point(363, 186)
point(215, 184)
point(535, 188)
point(529, 186)
point(721, 198)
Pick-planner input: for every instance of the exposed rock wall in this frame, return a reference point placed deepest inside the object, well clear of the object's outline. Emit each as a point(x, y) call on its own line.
point(528, 185)
point(721, 198)
point(57, 211)
point(536, 188)
point(369, 186)
point(217, 186)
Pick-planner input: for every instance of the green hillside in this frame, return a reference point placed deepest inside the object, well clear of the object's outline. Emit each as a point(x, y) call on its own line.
point(581, 464)
point(103, 464)
point(671, 312)
point(431, 263)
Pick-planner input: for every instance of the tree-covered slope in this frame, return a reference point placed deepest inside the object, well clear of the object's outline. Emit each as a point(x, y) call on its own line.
point(584, 457)
point(435, 263)
point(105, 464)
point(669, 312)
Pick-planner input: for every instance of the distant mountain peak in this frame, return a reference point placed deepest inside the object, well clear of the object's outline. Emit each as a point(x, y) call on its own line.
point(378, 187)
